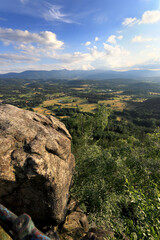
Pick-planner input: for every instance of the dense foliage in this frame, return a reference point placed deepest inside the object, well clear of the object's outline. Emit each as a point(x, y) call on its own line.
point(117, 174)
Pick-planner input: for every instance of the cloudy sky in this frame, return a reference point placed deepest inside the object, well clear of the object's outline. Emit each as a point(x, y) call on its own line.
point(79, 34)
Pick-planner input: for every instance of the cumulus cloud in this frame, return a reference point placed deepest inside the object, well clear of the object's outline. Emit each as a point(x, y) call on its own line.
point(96, 39)
point(115, 51)
point(112, 39)
point(111, 57)
point(79, 60)
point(142, 39)
point(87, 43)
point(148, 17)
point(30, 47)
point(35, 48)
point(120, 37)
point(75, 57)
point(46, 38)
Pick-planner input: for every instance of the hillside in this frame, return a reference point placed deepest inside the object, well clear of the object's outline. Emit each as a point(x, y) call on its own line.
point(80, 74)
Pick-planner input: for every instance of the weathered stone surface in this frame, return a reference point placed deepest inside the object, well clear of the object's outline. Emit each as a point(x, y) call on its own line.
point(75, 226)
point(97, 234)
point(36, 164)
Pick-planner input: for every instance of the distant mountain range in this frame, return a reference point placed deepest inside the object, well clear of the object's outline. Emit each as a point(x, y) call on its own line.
point(80, 74)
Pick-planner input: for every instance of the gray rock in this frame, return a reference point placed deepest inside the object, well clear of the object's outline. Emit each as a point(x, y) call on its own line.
point(36, 164)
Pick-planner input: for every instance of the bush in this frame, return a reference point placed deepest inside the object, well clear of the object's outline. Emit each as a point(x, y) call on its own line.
point(117, 185)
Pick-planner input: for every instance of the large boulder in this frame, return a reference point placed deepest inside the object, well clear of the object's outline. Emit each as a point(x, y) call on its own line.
point(36, 164)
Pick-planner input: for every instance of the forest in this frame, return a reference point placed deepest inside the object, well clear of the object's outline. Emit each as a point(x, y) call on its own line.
point(115, 129)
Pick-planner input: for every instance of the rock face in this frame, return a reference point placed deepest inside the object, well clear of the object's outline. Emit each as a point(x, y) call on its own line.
point(36, 164)
point(76, 223)
point(75, 226)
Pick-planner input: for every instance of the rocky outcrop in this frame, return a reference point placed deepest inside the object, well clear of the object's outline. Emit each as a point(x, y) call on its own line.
point(75, 225)
point(36, 164)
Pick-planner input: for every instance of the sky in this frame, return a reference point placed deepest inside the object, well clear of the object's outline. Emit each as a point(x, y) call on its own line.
point(117, 35)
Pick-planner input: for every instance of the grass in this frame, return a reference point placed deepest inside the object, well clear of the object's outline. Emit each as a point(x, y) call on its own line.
point(79, 89)
point(28, 95)
point(42, 110)
point(140, 100)
point(57, 101)
point(117, 103)
point(66, 101)
point(88, 107)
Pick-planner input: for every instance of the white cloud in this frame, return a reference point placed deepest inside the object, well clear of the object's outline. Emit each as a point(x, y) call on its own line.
point(30, 47)
point(148, 17)
point(120, 37)
point(87, 43)
point(88, 67)
point(52, 12)
point(31, 52)
point(115, 51)
point(130, 21)
point(96, 39)
point(33, 49)
point(38, 9)
point(112, 57)
point(46, 38)
point(142, 39)
point(112, 39)
point(116, 57)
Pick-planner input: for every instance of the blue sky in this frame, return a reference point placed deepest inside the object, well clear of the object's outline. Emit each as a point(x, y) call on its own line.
point(79, 34)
